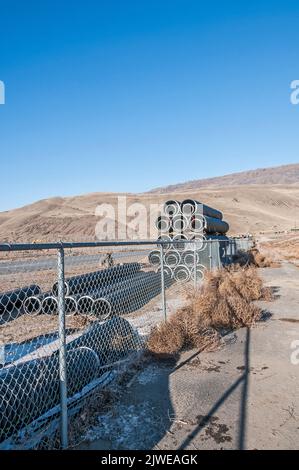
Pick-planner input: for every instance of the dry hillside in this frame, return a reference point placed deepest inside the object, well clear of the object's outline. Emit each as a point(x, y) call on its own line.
point(251, 208)
point(286, 175)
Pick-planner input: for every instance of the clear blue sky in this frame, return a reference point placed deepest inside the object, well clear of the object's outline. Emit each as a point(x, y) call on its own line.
point(130, 95)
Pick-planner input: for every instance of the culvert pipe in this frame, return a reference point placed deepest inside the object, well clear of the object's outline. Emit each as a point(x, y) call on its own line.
point(213, 225)
point(86, 281)
point(50, 305)
point(188, 207)
point(196, 223)
point(119, 297)
point(32, 305)
point(167, 271)
point(134, 297)
point(85, 304)
point(102, 309)
point(163, 223)
point(172, 258)
point(179, 223)
point(30, 389)
point(198, 238)
point(171, 208)
point(165, 238)
point(154, 257)
point(15, 298)
point(187, 258)
point(71, 306)
point(181, 273)
point(180, 238)
point(200, 272)
point(192, 206)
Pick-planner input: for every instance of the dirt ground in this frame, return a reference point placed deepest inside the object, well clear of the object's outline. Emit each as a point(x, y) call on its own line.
point(282, 246)
point(243, 396)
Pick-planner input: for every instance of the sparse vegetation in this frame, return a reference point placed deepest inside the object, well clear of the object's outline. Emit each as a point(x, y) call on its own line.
point(286, 248)
point(255, 258)
point(225, 302)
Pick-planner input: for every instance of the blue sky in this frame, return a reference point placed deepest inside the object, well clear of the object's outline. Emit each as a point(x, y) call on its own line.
point(131, 95)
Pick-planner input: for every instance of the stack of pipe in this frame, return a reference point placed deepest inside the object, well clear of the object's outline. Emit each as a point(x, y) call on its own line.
point(119, 289)
point(186, 220)
point(14, 299)
point(29, 389)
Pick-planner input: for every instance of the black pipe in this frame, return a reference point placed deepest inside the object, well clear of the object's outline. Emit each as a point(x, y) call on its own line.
point(101, 278)
point(119, 297)
point(33, 304)
point(13, 299)
point(214, 225)
point(30, 389)
point(50, 305)
point(134, 297)
point(125, 299)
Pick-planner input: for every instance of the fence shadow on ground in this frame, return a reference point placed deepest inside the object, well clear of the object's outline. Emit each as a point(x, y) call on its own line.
point(148, 410)
point(242, 381)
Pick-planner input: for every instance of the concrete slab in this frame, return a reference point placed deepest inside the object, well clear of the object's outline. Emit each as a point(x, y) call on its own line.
point(243, 396)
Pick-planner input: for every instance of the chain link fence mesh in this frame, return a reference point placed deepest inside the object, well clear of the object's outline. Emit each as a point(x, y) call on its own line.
point(113, 297)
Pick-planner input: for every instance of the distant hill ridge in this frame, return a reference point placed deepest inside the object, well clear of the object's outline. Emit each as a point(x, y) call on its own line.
point(286, 174)
point(251, 201)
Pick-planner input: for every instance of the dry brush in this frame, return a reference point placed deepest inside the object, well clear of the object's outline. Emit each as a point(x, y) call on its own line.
point(224, 303)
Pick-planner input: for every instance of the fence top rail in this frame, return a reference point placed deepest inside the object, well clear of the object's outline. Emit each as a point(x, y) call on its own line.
point(62, 245)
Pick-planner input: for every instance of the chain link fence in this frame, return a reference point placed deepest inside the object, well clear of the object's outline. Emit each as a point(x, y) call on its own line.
point(72, 314)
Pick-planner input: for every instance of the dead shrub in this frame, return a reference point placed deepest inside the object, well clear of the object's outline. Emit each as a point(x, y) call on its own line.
point(248, 283)
point(224, 302)
point(255, 258)
point(166, 339)
point(267, 294)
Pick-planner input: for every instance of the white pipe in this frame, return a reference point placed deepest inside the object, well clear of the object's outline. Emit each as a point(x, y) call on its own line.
point(181, 273)
point(70, 305)
point(188, 257)
point(179, 223)
point(196, 223)
point(167, 271)
point(101, 308)
point(165, 238)
point(32, 305)
point(188, 207)
point(50, 305)
point(85, 304)
point(171, 208)
point(154, 257)
point(179, 246)
point(172, 258)
point(163, 223)
point(200, 272)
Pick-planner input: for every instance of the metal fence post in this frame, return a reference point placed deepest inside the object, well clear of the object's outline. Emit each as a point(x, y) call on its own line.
point(62, 351)
point(210, 253)
point(195, 265)
point(163, 282)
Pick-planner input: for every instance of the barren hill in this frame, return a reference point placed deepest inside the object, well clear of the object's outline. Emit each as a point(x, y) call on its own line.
point(251, 208)
point(286, 174)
